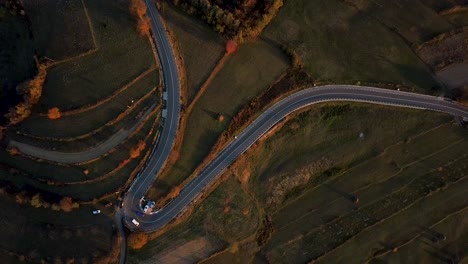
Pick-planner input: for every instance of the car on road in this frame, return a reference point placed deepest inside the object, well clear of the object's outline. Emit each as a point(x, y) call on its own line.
point(135, 222)
point(95, 212)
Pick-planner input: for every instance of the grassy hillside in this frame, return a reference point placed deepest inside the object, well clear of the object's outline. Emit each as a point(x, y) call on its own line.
point(247, 73)
point(341, 44)
point(102, 77)
point(326, 190)
point(16, 57)
point(200, 47)
point(55, 20)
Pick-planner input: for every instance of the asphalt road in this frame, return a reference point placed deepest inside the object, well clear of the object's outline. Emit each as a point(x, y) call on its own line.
point(265, 122)
point(245, 139)
point(81, 156)
point(164, 144)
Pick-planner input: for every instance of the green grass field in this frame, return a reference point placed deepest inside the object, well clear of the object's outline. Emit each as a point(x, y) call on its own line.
point(459, 18)
point(200, 47)
point(34, 232)
point(122, 55)
point(210, 220)
point(341, 45)
point(414, 20)
point(247, 73)
point(55, 20)
point(16, 54)
point(402, 171)
point(83, 123)
point(74, 173)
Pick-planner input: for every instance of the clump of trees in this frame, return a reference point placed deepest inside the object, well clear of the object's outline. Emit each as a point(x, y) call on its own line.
point(138, 9)
point(234, 19)
point(54, 113)
point(31, 91)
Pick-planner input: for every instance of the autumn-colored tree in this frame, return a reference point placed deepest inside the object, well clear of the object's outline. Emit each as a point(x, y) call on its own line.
point(32, 91)
point(54, 113)
point(36, 200)
point(136, 151)
point(13, 151)
point(21, 198)
point(231, 46)
point(67, 204)
point(174, 192)
point(138, 8)
point(143, 26)
point(18, 113)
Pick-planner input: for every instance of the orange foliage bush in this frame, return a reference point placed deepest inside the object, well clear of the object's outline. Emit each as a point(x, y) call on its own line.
point(54, 113)
point(220, 118)
point(13, 151)
point(231, 46)
point(174, 192)
point(67, 204)
point(135, 152)
point(138, 8)
point(32, 91)
point(246, 211)
point(143, 26)
point(137, 240)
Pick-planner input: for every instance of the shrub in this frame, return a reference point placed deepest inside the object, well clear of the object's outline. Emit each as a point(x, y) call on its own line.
point(54, 113)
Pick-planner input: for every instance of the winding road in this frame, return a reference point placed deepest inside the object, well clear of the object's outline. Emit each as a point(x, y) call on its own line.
point(249, 136)
point(81, 156)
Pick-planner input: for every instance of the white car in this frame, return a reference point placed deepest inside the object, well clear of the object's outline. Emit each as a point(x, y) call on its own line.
point(95, 212)
point(135, 222)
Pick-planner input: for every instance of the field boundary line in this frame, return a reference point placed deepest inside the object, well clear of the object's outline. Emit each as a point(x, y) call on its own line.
point(385, 218)
point(93, 132)
point(381, 181)
point(107, 99)
point(90, 24)
point(419, 235)
point(118, 168)
point(365, 162)
point(140, 126)
point(392, 215)
point(207, 82)
point(86, 53)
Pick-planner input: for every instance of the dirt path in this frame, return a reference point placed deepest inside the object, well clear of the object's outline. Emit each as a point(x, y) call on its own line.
point(83, 156)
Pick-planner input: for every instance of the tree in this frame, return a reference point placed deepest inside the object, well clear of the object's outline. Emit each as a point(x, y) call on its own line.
point(143, 26)
point(67, 204)
point(13, 151)
point(137, 240)
point(136, 151)
point(174, 192)
point(231, 46)
point(54, 113)
point(138, 8)
point(37, 201)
